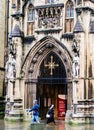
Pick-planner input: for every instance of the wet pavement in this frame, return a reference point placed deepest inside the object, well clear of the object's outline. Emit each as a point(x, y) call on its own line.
point(60, 125)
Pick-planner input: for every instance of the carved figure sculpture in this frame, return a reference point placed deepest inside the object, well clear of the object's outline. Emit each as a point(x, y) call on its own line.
point(10, 67)
point(76, 66)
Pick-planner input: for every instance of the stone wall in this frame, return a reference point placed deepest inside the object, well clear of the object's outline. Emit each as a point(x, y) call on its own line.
point(2, 43)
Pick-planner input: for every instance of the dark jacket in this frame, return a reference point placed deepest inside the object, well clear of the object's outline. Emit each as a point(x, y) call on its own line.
point(51, 113)
point(35, 109)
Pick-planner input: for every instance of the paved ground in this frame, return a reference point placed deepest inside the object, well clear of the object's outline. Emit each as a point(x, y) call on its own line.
point(60, 125)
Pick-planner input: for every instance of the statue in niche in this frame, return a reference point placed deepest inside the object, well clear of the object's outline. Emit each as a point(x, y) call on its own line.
point(76, 45)
point(75, 66)
point(10, 67)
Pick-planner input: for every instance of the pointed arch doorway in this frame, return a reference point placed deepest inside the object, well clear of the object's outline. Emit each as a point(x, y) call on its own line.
point(47, 74)
point(51, 83)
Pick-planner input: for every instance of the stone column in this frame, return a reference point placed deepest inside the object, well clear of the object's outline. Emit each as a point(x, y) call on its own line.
point(82, 66)
point(2, 43)
point(75, 96)
point(92, 61)
point(75, 92)
point(18, 42)
point(34, 91)
point(10, 90)
point(22, 91)
point(86, 17)
point(25, 22)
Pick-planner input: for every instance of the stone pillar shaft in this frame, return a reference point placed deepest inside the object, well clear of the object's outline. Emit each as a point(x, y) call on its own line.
point(18, 66)
point(74, 92)
point(10, 90)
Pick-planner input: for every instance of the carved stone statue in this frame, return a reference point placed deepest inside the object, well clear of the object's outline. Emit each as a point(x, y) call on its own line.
point(76, 45)
point(75, 66)
point(10, 67)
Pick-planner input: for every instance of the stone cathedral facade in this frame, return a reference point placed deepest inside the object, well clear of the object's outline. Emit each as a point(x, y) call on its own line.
point(51, 58)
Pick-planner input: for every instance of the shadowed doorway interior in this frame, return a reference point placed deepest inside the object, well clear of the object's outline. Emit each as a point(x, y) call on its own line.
point(51, 83)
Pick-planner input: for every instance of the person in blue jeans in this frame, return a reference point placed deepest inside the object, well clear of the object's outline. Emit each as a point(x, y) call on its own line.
point(35, 110)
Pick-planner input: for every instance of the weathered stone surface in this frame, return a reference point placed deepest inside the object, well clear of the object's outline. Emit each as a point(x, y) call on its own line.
point(2, 43)
point(2, 31)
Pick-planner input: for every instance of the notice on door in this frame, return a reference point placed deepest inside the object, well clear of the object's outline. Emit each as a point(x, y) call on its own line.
point(61, 106)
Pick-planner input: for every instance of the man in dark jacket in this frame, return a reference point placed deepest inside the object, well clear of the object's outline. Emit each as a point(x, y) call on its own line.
point(35, 110)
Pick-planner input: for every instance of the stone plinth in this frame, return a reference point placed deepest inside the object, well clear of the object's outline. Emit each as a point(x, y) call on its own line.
point(14, 110)
point(83, 112)
point(14, 115)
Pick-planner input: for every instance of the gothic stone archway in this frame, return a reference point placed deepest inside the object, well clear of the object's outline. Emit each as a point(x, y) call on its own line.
point(33, 66)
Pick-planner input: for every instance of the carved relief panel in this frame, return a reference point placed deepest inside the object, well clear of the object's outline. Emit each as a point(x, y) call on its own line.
point(49, 17)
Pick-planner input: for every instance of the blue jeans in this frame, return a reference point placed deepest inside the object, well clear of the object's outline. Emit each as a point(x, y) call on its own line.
point(35, 118)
